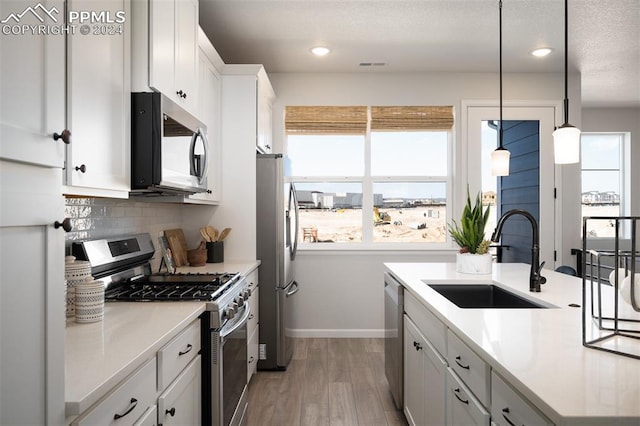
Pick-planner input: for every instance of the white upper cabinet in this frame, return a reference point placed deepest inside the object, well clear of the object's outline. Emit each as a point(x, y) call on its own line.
point(32, 78)
point(266, 97)
point(99, 103)
point(172, 49)
point(209, 85)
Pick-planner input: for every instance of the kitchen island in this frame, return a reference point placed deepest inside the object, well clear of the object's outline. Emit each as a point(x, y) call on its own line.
point(538, 352)
point(100, 355)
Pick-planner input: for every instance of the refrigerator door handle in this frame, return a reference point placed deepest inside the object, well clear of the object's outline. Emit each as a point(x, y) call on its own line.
point(294, 289)
point(293, 198)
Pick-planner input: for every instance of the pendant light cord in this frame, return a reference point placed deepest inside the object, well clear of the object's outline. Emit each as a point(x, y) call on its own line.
point(501, 133)
point(566, 61)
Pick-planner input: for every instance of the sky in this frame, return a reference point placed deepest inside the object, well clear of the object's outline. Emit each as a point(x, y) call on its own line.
point(424, 153)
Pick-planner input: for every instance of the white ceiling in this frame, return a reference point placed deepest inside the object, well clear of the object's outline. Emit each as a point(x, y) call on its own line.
point(435, 36)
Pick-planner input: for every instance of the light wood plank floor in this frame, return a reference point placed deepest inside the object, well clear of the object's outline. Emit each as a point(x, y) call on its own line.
point(330, 382)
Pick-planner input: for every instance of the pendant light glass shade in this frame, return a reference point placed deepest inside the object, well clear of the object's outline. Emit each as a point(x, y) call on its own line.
point(566, 138)
point(500, 157)
point(566, 144)
point(500, 162)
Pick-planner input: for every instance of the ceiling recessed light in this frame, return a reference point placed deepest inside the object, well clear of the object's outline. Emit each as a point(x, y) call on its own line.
point(320, 51)
point(540, 53)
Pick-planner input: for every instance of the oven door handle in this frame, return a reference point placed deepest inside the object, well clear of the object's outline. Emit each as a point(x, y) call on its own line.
point(242, 321)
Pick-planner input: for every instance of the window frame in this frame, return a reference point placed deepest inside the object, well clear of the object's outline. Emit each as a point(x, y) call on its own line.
point(367, 181)
point(624, 171)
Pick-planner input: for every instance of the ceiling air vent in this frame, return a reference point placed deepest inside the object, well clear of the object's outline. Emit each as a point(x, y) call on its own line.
point(372, 64)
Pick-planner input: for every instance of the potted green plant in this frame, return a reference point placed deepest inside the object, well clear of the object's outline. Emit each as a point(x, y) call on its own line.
point(474, 256)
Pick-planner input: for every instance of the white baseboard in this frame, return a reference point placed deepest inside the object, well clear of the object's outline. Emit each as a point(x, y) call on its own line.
point(338, 333)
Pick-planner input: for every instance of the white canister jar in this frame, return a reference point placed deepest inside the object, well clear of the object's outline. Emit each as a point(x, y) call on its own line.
point(89, 301)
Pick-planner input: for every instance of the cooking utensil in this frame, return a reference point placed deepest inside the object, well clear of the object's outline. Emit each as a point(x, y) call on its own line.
point(224, 234)
point(212, 232)
point(205, 235)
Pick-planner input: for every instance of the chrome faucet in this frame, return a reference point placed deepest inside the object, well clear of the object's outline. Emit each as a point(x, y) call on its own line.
point(535, 276)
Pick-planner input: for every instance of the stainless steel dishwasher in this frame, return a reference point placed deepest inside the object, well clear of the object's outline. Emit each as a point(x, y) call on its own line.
point(393, 332)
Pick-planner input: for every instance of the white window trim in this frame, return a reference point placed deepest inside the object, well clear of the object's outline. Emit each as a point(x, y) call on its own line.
point(625, 180)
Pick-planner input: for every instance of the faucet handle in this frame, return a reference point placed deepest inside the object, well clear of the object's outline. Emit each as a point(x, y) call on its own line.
point(542, 279)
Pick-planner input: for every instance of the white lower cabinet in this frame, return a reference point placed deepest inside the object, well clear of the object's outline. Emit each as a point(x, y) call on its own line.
point(253, 342)
point(181, 402)
point(125, 404)
point(32, 285)
point(180, 379)
point(509, 408)
point(463, 408)
point(165, 390)
point(424, 379)
point(471, 369)
point(149, 418)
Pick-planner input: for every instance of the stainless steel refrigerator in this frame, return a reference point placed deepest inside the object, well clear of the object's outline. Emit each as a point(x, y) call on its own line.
point(277, 242)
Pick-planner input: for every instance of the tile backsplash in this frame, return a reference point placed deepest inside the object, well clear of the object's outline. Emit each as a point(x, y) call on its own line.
point(95, 218)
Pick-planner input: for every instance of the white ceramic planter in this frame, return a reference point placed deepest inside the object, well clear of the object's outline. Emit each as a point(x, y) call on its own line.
point(468, 263)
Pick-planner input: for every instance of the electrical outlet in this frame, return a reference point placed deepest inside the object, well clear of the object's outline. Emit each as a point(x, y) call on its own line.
point(262, 352)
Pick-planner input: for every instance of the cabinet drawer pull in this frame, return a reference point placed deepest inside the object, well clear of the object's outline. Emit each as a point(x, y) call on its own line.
point(417, 345)
point(133, 402)
point(189, 347)
point(505, 411)
point(171, 412)
point(251, 360)
point(456, 392)
point(251, 316)
point(458, 359)
point(81, 168)
point(65, 136)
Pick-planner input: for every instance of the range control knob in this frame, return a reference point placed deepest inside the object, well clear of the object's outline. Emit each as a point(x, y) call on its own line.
point(246, 293)
point(230, 311)
point(239, 300)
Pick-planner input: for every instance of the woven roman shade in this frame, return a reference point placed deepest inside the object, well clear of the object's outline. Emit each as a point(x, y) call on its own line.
point(321, 120)
point(411, 118)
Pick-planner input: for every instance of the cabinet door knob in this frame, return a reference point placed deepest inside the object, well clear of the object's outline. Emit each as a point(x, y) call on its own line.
point(171, 412)
point(65, 224)
point(65, 136)
point(81, 168)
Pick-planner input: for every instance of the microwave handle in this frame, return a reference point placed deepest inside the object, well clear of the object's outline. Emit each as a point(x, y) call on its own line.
point(201, 171)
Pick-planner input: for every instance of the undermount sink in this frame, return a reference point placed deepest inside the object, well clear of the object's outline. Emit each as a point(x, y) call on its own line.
point(481, 296)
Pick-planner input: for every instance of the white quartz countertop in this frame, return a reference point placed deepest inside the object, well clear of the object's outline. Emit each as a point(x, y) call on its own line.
point(539, 351)
point(100, 355)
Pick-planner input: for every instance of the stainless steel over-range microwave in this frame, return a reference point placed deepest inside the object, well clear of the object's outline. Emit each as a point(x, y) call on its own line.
point(168, 147)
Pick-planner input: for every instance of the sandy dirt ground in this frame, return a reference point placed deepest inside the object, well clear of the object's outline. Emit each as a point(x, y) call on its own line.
point(418, 224)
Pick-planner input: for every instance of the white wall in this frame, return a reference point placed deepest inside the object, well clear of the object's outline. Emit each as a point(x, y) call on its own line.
point(341, 292)
point(619, 120)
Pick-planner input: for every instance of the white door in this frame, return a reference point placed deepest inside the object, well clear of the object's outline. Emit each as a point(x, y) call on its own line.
point(545, 115)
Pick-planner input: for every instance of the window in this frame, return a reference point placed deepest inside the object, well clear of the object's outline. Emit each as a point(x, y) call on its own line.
point(371, 175)
point(603, 179)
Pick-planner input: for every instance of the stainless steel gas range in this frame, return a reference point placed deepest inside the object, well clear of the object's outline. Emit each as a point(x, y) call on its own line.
point(123, 264)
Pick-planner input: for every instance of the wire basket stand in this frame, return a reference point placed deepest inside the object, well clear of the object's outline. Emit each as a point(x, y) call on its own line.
point(618, 327)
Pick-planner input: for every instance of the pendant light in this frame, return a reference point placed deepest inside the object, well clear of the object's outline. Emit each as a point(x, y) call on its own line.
point(500, 157)
point(566, 138)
